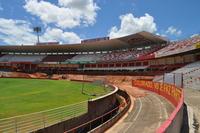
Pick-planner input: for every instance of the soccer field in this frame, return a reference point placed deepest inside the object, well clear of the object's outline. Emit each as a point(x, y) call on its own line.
point(24, 96)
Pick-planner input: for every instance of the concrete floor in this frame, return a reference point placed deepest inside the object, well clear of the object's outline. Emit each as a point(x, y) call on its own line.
point(146, 116)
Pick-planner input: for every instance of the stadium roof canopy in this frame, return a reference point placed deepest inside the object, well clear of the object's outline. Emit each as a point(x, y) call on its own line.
point(140, 39)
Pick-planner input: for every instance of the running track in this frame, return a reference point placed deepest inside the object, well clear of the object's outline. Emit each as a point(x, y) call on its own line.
point(145, 116)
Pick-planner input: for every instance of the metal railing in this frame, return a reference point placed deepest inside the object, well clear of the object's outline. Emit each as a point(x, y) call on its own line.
point(35, 121)
point(89, 125)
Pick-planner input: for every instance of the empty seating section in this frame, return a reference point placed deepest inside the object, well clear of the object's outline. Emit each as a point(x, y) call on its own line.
point(114, 56)
point(103, 57)
point(148, 54)
point(191, 75)
point(178, 47)
point(120, 56)
point(21, 58)
point(57, 58)
point(86, 58)
point(129, 55)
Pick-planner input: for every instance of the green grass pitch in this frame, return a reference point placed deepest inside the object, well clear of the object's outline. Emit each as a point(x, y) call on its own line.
point(24, 96)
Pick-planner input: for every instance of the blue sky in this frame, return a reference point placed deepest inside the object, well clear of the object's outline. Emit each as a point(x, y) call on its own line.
point(69, 21)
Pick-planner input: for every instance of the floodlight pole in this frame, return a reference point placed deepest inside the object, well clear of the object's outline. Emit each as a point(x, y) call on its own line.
point(38, 38)
point(37, 30)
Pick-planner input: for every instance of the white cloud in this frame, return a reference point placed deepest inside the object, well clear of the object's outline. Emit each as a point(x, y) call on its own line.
point(67, 14)
point(54, 34)
point(131, 24)
point(17, 32)
point(173, 31)
point(162, 35)
point(194, 35)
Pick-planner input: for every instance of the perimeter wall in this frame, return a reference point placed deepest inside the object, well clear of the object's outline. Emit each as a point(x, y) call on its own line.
point(174, 95)
point(96, 107)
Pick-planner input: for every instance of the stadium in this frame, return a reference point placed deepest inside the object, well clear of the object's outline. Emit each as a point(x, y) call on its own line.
point(134, 83)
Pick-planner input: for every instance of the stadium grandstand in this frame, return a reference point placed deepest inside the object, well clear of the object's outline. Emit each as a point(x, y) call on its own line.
point(125, 49)
point(141, 54)
point(99, 66)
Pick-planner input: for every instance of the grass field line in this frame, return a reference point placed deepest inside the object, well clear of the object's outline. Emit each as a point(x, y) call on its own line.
point(44, 111)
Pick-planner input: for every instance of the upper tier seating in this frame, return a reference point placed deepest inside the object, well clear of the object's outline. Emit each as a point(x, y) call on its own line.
point(148, 54)
point(128, 55)
point(86, 58)
point(21, 58)
point(119, 56)
point(57, 58)
point(178, 47)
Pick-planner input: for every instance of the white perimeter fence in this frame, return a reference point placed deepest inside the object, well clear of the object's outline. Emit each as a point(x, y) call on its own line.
point(39, 120)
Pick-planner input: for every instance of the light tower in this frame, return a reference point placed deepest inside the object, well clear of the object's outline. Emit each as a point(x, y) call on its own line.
point(37, 30)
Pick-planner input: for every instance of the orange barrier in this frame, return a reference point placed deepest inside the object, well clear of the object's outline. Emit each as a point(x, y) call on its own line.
point(170, 92)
